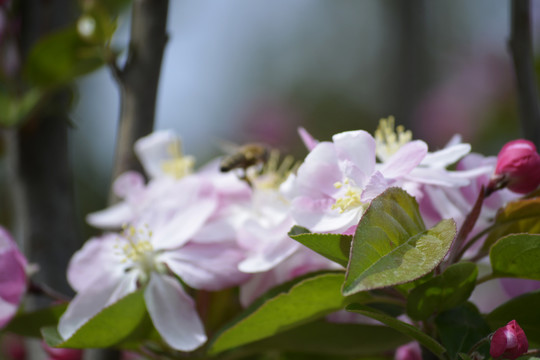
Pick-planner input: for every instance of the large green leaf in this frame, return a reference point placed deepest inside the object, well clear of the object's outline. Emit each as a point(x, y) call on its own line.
point(321, 337)
point(525, 310)
point(295, 304)
point(522, 216)
point(516, 256)
point(335, 247)
point(461, 328)
point(60, 57)
point(452, 288)
point(30, 323)
point(391, 245)
point(109, 327)
point(427, 341)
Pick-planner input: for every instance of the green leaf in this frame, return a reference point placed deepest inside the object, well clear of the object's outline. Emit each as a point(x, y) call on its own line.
point(30, 323)
point(107, 328)
point(461, 328)
point(524, 309)
point(296, 303)
point(335, 247)
point(450, 289)
point(391, 245)
point(521, 216)
point(60, 57)
point(516, 256)
point(427, 341)
point(331, 339)
point(15, 109)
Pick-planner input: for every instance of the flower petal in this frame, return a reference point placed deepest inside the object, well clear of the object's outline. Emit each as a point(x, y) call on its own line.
point(173, 313)
point(447, 156)
point(319, 172)
point(318, 216)
point(7, 310)
point(112, 217)
point(153, 149)
point(358, 147)
point(407, 158)
point(184, 224)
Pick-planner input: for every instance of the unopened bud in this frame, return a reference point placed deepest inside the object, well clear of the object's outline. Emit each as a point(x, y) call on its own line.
point(509, 342)
point(518, 168)
point(410, 351)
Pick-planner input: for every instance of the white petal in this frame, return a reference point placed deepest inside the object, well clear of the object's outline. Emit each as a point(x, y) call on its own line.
point(153, 149)
point(318, 216)
point(407, 158)
point(319, 172)
point(173, 313)
point(112, 217)
point(358, 147)
point(91, 301)
point(446, 156)
point(97, 260)
point(184, 225)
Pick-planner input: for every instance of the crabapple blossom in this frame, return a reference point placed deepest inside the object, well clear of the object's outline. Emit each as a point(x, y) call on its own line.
point(509, 342)
point(518, 168)
point(108, 268)
point(13, 279)
point(410, 351)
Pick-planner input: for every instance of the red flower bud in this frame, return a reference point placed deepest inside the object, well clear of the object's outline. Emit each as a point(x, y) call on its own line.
point(509, 342)
point(518, 168)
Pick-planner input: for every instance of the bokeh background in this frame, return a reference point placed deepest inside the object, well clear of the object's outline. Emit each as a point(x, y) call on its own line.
point(242, 71)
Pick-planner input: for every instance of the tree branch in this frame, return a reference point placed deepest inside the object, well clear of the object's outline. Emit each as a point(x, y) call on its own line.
point(139, 78)
point(521, 49)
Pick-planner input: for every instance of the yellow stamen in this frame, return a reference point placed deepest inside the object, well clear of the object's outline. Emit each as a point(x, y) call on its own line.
point(389, 139)
point(178, 166)
point(351, 198)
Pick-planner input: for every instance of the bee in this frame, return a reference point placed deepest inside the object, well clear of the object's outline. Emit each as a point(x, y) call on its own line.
point(245, 157)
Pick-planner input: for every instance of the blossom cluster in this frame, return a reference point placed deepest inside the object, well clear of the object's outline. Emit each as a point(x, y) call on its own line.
point(208, 229)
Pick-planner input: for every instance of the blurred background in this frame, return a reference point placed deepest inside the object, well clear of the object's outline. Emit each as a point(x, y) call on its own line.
point(243, 71)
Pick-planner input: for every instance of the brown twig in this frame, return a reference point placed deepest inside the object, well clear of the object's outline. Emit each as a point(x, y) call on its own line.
point(138, 79)
point(522, 53)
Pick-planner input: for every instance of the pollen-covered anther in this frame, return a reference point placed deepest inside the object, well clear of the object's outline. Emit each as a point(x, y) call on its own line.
point(350, 199)
point(178, 166)
point(389, 138)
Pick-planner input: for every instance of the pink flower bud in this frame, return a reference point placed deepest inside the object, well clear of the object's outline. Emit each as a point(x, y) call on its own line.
point(509, 342)
point(518, 168)
point(410, 351)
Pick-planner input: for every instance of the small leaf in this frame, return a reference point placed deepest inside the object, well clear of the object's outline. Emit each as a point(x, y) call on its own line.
point(450, 289)
point(60, 57)
point(297, 303)
point(107, 328)
point(461, 328)
point(521, 216)
point(15, 109)
point(30, 323)
point(524, 309)
point(331, 339)
point(516, 256)
point(391, 245)
point(335, 247)
point(427, 341)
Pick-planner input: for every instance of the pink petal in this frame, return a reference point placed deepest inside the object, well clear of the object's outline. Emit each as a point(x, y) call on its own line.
point(89, 302)
point(447, 156)
point(112, 217)
point(206, 266)
point(407, 158)
point(173, 313)
point(7, 310)
point(358, 147)
point(319, 172)
point(318, 216)
point(97, 257)
point(184, 224)
point(128, 184)
point(308, 140)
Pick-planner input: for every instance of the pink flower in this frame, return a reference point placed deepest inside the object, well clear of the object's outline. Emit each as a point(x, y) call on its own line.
point(410, 351)
point(518, 168)
point(509, 342)
point(62, 354)
point(12, 277)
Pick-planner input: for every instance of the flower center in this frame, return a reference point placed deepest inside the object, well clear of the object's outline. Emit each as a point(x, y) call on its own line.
point(178, 166)
point(351, 197)
point(139, 253)
point(389, 139)
point(273, 173)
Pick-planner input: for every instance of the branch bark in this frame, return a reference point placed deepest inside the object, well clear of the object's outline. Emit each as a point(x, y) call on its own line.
point(139, 78)
point(522, 54)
